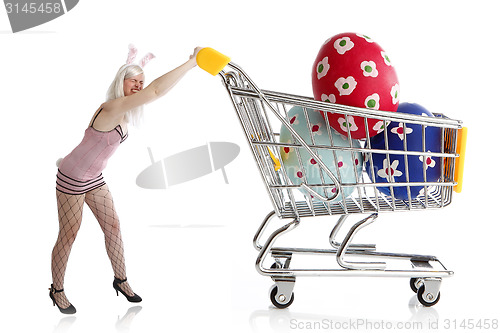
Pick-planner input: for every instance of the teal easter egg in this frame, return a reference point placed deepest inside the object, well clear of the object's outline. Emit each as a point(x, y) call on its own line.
point(301, 167)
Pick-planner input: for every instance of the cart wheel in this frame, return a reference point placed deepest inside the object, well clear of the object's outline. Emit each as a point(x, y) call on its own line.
point(275, 302)
point(427, 299)
point(413, 285)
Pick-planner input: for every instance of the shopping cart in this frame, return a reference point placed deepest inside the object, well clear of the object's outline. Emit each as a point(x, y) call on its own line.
point(262, 112)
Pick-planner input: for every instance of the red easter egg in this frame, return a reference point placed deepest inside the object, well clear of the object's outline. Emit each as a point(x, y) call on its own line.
point(351, 69)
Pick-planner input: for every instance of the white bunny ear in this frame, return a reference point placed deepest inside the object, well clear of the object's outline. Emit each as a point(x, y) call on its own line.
point(132, 53)
point(146, 59)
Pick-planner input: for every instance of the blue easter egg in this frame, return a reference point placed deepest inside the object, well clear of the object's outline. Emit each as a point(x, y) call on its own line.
point(345, 165)
point(393, 169)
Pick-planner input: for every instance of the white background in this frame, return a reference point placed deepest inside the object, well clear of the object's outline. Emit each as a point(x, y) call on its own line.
point(189, 248)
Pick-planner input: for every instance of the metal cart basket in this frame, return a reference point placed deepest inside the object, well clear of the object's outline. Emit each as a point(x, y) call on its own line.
point(262, 113)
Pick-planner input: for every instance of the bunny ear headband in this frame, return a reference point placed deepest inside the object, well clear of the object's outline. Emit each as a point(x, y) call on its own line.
point(132, 53)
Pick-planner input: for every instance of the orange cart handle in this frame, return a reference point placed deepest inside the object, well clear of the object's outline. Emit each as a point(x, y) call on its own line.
point(460, 160)
point(211, 60)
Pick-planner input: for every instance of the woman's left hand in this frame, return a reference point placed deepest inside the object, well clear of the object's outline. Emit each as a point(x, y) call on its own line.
point(195, 52)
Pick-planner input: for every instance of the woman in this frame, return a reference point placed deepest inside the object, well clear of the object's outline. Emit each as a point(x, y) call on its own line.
point(79, 178)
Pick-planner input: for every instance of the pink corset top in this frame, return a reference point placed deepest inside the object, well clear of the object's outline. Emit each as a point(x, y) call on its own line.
point(90, 157)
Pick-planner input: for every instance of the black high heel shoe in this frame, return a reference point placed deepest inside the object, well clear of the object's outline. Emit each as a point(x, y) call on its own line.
point(69, 310)
point(134, 299)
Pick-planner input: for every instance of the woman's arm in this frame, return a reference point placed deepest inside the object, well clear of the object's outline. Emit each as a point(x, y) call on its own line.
point(156, 89)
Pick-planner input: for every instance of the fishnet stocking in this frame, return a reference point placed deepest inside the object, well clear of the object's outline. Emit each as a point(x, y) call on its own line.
point(101, 203)
point(69, 209)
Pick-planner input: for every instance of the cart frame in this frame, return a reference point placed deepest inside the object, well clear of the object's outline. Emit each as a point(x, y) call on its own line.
point(256, 110)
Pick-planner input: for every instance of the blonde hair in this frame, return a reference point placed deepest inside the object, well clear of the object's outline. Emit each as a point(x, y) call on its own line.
point(115, 90)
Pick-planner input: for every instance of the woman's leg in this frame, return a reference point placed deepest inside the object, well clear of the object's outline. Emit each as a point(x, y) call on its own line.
point(69, 209)
point(101, 203)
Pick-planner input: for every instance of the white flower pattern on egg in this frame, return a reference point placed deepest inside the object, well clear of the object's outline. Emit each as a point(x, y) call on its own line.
point(400, 131)
point(300, 174)
point(386, 58)
point(340, 162)
point(294, 120)
point(316, 129)
point(379, 126)
point(368, 39)
point(395, 93)
point(328, 98)
point(429, 162)
point(345, 86)
point(369, 68)
point(286, 151)
point(322, 68)
point(373, 102)
point(389, 171)
point(350, 123)
point(430, 189)
point(342, 45)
